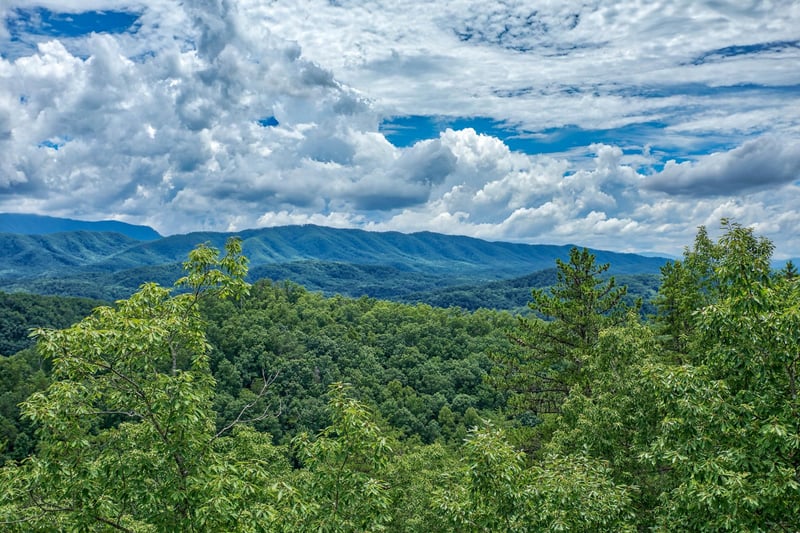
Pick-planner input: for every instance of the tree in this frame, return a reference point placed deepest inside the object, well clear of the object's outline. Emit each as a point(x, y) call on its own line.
point(341, 487)
point(20, 375)
point(730, 428)
point(553, 352)
point(126, 429)
point(686, 286)
point(789, 271)
point(621, 419)
point(496, 492)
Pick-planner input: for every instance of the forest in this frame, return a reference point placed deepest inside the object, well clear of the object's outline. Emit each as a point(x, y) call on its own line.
point(220, 405)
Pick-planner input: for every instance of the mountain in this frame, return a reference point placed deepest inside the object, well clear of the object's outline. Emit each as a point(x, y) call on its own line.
point(57, 253)
point(348, 261)
point(416, 252)
point(42, 225)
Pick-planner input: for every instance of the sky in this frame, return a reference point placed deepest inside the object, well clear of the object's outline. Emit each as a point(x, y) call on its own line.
point(619, 125)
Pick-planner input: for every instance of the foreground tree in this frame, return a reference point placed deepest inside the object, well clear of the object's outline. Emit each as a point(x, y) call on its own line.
point(730, 429)
point(619, 422)
point(126, 430)
point(496, 492)
point(342, 486)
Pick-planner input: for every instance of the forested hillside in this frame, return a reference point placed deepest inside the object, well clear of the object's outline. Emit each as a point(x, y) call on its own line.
point(230, 407)
point(515, 294)
point(20, 313)
point(350, 262)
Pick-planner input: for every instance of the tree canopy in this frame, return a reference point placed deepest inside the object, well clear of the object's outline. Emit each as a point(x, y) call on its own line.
point(220, 406)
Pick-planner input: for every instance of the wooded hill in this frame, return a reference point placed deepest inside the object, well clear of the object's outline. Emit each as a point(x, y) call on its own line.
point(42, 225)
point(349, 262)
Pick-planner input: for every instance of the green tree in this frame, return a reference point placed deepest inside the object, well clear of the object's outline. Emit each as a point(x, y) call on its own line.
point(20, 375)
point(342, 486)
point(686, 286)
point(619, 422)
point(553, 354)
point(789, 271)
point(730, 430)
point(20, 312)
point(126, 429)
point(496, 492)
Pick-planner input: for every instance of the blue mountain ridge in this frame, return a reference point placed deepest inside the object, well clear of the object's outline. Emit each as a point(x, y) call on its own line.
point(27, 224)
point(347, 261)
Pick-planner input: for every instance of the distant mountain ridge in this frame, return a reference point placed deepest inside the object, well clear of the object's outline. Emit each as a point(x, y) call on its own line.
point(26, 224)
point(57, 253)
point(348, 261)
point(415, 252)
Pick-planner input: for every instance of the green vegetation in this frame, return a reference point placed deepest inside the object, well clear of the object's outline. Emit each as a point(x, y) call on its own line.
point(222, 406)
point(19, 313)
point(354, 263)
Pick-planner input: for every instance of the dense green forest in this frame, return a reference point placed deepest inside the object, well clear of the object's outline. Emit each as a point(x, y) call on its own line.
point(224, 406)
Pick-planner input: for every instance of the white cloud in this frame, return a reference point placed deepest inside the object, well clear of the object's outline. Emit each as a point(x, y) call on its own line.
point(160, 125)
point(591, 64)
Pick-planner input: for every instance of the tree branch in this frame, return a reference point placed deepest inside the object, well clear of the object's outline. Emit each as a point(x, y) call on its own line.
point(112, 524)
point(238, 420)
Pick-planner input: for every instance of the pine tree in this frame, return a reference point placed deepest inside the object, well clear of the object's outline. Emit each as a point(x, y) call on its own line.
point(553, 349)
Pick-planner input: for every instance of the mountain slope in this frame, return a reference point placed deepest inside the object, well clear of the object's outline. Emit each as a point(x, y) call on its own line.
point(352, 262)
point(57, 253)
point(416, 252)
point(515, 294)
point(41, 225)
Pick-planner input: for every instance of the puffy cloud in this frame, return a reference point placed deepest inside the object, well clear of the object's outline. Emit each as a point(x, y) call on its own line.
point(761, 163)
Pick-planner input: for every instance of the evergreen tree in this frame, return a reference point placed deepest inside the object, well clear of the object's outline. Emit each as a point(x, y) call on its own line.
point(686, 286)
point(553, 349)
point(789, 271)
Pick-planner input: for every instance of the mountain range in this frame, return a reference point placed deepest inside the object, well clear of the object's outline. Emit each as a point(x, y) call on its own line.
point(27, 224)
point(108, 265)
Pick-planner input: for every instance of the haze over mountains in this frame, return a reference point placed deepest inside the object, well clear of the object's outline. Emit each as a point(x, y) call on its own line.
point(98, 263)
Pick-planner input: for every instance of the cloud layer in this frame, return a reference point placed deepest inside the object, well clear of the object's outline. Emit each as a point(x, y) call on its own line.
point(214, 114)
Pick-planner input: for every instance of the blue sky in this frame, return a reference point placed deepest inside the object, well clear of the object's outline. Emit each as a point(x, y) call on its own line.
point(617, 125)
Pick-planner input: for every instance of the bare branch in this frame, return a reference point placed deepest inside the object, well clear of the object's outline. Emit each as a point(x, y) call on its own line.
point(238, 420)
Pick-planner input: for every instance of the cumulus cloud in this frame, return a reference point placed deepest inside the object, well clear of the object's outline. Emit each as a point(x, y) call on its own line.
point(157, 137)
point(215, 114)
point(762, 163)
point(595, 205)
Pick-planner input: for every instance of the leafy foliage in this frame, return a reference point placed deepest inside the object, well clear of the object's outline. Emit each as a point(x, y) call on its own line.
point(561, 494)
point(342, 486)
point(731, 428)
point(409, 362)
point(126, 428)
